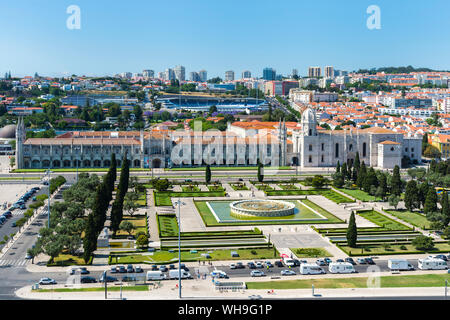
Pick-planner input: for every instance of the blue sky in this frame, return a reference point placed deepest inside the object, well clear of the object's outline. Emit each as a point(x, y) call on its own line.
point(117, 36)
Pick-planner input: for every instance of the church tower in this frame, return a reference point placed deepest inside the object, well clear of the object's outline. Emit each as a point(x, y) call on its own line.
point(309, 122)
point(20, 139)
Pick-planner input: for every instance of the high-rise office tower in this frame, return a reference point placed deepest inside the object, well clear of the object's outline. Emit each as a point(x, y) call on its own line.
point(169, 74)
point(329, 72)
point(294, 73)
point(180, 73)
point(229, 75)
point(203, 75)
point(269, 74)
point(314, 72)
point(246, 74)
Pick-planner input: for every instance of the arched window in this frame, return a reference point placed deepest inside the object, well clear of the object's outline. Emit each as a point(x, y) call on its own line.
point(337, 150)
point(364, 149)
point(350, 147)
point(310, 147)
point(310, 132)
point(310, 159)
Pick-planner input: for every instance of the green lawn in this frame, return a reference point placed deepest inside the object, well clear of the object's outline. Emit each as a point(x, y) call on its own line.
point(378, 248)
point(227, 168)
point(68, 260)
point(239, 186)
point(163, 198)
point(310, 252)
point(215, 188)
point(382, 221)
point(142, 200)
point(426, 280)
point(190, 188)
point(414, 218)
point(327, 193)
point(137, 220)
point(288, 187)
point(358, 194)
point(331, 217)
point(166, 257)
point(167, 225)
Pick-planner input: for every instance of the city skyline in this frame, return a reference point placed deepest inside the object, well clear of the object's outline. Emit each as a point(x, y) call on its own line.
point(108, 33)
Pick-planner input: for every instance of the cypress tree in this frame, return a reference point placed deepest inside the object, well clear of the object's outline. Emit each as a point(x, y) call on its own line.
point(113, 167)
point(430, 201)
point(370, 180)
point(382, 183)
point(361, 176)
point(357, 163)
point(124, 177)
point(411, 195)
point(396, 183)
point(116, 215)
point(344, 171)
point(422, 193)
point(338, 167)
point(354, 175)
point(208, 174)
point(352, 231)
point(445, 208)
point(90, 238)
point(260, 174)
point(433, 165)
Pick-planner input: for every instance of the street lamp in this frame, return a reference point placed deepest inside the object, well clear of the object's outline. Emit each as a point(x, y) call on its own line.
point(48, 189)
point(179, 203)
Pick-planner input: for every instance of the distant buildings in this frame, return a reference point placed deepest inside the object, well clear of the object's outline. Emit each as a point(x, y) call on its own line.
point(269, 74)
point(203, 75)
point(229, 75)
point(314, 72)
point(180, 72)
point(280, 88)
point(148, 74)
point(169, 74)
point(194, 76)
point(294, 73)
point(246, 74)
point(329, 72)
point(308, 96)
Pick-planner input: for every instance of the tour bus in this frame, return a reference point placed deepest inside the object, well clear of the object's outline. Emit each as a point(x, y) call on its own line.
point(310, 268)
point(341, 267)
point(156, 275)
point(432, 264)
point(174, 274)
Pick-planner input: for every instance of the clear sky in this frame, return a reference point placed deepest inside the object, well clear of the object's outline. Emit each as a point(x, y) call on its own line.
point(220, 35)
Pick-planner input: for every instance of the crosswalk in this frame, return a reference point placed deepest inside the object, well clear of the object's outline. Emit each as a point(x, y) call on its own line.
point(14, 262)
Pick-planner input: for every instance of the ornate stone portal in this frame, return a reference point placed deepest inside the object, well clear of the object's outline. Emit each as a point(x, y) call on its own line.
point(261, 208)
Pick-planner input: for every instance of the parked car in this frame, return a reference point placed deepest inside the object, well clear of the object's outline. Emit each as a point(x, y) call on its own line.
point(139, 270)
point(108, 279)
point(163, 268)
point(129, 278)
point(340, 260)
point(259, 265)
point(45, 281)
point(155, 267)
point(88, 279)
point(328, 260)
point(296, 262)
point(268, 264)
point(114, 270)
point(288, 272)
point(122, 269)
point(369, 260)
point(83, 270)
point(303, 261)
point(130, 269)
point(279, 264)
point(257, 273)
point(251, 265)
point(350, 260)
point(8, 214)
point(321, 262)
point(219, 274)
point(183, 266)
point(171, 266)
point(240, 265)
point(361, 261)
point(441, 256)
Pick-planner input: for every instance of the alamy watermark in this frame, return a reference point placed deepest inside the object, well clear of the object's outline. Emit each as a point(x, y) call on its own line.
point(73, 22)
point(374, 20)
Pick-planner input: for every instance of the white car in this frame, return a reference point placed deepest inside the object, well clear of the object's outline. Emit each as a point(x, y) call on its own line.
point(257, 273)
point(288, 273)
point(232, 266)
point(44, 281)
point(219, 274)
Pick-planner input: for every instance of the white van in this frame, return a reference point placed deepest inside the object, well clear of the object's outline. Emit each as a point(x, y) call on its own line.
point(310, 268)
point(399, 264)
point(432, 264)
point(341, 267)
point(173, 274)
point(156, 275)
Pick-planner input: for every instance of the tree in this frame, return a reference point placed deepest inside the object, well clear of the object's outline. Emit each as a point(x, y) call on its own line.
point(338, 167)
point(338, 180)
point(422, 193)
point(124, 177)
point(344, 171)
point(370, 180)
point(423, 243)
point(445, 210)
point(116, 215)
point(260, 172)
point(411, 195)
point(142, 241)
point(394, 200)
point(357, 163)
point(432, 152)
point(90, 238)
point(113, 167)
point(361, 176)
point(130, 202)
point(208, 174)
point(382, 185)
point(161, 184)
point(318, 181)
point(396, 183)
point(430, 202)
point(127, 226)
point(352, 231)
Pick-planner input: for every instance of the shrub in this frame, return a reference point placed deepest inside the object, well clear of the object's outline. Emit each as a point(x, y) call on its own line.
point(402, 247)
point(253, 252)
point(423, 243)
